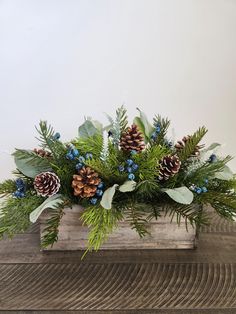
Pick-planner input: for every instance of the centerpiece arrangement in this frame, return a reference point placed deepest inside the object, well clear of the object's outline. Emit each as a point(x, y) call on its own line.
point(117, 172)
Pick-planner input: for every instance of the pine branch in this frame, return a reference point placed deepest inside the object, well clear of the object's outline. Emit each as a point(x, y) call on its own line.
point(192, 214)
point(7, 187)
point(137, 221)
point(118, 125)
point(164, 124)
point(190, 146)
point(50, 232)
point(91, 144)
point(101, 223)
point(14, 216)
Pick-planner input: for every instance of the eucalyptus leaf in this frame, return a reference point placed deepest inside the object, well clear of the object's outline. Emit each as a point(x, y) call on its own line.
point(87, 129)
point(51, 202)
point(180, 195)
point(106, 201)
point(148, 128)
point(212, 147)
point(128, 186)
point(140, 125)
point(29, 165)
point(225, 174)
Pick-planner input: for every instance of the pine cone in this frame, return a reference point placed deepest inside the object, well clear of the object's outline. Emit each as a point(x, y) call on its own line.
point(181, 144)
point(42, 153)
point(169, 166)
point(132, 139)
point(47, 183)
point(85, 182)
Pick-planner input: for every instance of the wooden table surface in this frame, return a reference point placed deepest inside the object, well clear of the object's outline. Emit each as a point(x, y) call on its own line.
point(138, 281)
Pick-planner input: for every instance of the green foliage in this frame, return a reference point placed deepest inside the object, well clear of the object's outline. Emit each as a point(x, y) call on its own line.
point(118, 125)
point(7, 187)
point(192, 214)
point(92, 144)
point(137, 220)
point(14, 214)
point(148, 162)
point(164, 124)
point(223, 203)
point(101, 223)
point(47, 141)
point(50, 232)
point(191, 144)
point(147, 189)
point(29, 163)
point(144, 126)
point(205, 170)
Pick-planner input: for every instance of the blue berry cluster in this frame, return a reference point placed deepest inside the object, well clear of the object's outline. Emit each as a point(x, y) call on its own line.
point(156, 132)
point(81, 160)
point(72, 153)
point(20, 188)
point(199, 189)
point(98, 194)
point(212, 158)
point(130, 167)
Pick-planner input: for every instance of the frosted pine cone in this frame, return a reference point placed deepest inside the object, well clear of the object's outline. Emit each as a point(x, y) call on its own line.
point(47, 184)
point(85, 182)
point(169, 166)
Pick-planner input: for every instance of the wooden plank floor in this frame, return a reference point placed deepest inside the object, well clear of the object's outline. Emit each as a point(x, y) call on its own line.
point(138, 281)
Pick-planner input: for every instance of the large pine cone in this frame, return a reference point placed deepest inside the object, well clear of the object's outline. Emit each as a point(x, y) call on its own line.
point(42, 152)
point(85, 182)
point(169, 166)
point(47, 184)
point(132, 139)
point(181, 144)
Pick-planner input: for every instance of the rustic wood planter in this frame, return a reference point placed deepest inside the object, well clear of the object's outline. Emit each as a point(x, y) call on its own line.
point(163, 234)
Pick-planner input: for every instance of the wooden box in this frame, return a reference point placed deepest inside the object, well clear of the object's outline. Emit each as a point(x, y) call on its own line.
point(163, 234)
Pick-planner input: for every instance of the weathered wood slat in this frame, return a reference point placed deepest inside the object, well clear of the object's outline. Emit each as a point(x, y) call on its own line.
point(164, 234)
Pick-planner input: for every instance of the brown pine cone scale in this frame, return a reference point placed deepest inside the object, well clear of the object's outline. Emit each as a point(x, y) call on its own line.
point(85, 182)
point(132, 139)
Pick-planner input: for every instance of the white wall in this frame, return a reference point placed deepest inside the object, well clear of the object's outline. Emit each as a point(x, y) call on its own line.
point(63, 59)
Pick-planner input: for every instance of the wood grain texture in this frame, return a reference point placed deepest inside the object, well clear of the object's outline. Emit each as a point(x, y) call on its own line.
point(163, 234)
point(196, 281)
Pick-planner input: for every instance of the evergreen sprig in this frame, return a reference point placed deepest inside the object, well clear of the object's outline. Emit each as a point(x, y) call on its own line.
point(163, 124)
point(14, 214)
point(118, 125)
point(137, 220)
point(7, 187)
point(190, 146)
point(101, 223)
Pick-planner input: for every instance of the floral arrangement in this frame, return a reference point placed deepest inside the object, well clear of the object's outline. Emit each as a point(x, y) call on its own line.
point(116, 172)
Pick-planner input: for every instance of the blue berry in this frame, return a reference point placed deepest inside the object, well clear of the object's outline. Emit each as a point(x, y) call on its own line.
point(129, 169)
point(158, 129)
point(204, 189)
point(99, 192)
point(129, 162)
point(133, 152)
point(56, 136)
point(121, 168)
point(154, 136)
point(93, 200)
point(213, 158)
point(88, 156)
point(19, 182)
point(81, 159)
point(131, 176)
point(206, 181)
point(75, 152)
point(70, 156)
point(135, 167)
point(101, 185)
point(198, 190)
point(79, 166)
point(18, 194)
